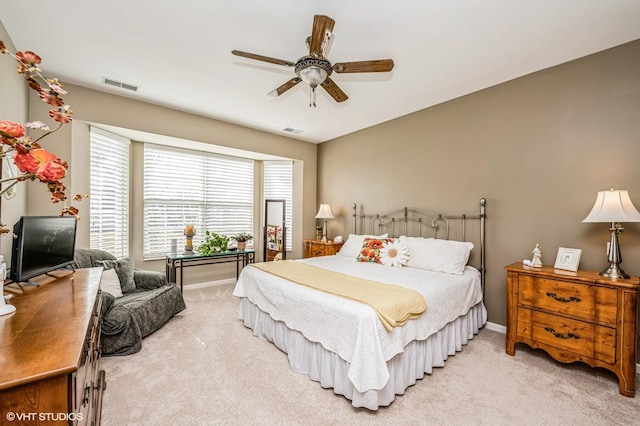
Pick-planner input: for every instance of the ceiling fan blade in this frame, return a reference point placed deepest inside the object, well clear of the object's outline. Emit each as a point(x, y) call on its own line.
point(263, 58)
point(288, 85)
point(380, 65)
point(332, 88)
point(322, 28)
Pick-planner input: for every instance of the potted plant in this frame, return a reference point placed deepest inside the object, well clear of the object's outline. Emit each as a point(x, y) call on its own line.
point(242, 239)
point(213, 243)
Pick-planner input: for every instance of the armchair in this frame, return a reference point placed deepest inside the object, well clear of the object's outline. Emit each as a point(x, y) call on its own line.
point(139, 312)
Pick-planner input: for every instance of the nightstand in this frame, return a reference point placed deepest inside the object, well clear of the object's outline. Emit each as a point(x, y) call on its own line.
point(575, 316)
point(316, 248)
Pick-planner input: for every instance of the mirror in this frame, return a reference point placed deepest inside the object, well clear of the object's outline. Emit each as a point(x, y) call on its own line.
point(274, 230)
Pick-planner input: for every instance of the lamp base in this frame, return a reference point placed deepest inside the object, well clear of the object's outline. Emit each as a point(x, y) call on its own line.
point(7, 309)
point(614, 271)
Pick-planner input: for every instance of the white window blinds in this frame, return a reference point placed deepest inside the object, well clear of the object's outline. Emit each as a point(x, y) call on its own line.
point(109, 192)
point(212, 192)
point(278, 185)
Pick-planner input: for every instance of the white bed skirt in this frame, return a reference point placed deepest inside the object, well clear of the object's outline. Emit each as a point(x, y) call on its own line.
point(324, 366)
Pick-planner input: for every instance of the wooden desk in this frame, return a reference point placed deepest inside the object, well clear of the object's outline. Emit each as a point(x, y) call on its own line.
point(50, 352)
point(575, 316)
point(180, 261)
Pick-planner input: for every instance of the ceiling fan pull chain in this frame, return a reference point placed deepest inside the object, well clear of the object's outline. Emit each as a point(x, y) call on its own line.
point(312, 98)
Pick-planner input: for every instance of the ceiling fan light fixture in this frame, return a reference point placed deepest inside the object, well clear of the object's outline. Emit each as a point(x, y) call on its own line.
point(313, 76)
point(313, 71)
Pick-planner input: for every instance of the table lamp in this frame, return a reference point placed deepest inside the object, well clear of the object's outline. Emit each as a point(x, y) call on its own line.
point(613, 207)
point(324, 213)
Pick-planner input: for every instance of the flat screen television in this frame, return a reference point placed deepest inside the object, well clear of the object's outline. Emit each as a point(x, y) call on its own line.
point(42, 244)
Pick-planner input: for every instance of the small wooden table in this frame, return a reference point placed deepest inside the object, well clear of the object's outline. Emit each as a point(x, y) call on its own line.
point(316, 248)
point(181, 261)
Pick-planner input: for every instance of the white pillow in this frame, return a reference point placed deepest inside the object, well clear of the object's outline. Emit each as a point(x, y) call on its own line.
point(110, 283)
point(351, 248)
point(435, 255)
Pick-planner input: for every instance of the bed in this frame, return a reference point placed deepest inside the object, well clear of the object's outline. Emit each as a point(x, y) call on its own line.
point(342, 343)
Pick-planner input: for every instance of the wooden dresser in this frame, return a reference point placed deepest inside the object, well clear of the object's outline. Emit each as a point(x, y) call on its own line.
point(315, 248)
point(575, 316)
point(50, 353)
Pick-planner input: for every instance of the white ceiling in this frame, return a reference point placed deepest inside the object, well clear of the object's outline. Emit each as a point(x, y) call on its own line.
point(179, 52)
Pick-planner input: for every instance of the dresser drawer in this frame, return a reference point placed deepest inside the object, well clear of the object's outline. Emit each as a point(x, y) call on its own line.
point(317, 250)
point(591, 303)
point(582, 338)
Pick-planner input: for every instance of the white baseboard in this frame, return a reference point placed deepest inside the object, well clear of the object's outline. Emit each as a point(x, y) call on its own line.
point(502, 329)
point(208, 284)
point(496, 327)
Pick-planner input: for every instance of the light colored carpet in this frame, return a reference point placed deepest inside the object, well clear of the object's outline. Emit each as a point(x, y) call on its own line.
point(205, 367)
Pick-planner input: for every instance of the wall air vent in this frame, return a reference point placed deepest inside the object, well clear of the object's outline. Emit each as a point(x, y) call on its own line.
point(291, 130)
point(115, 83)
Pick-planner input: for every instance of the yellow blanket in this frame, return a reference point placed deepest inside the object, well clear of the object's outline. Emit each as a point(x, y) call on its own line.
point(394, 305)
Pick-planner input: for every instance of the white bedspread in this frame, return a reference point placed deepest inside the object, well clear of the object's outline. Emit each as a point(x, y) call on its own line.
point(352, 330)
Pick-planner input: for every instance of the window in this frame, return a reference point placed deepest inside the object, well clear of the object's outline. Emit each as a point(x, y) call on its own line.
point(109, 192)
point(212, 192)
point(278, 184)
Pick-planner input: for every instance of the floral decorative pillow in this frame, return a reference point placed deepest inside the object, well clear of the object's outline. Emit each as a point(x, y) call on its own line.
point(353, 245)
point(394, 254)
point(385, 251)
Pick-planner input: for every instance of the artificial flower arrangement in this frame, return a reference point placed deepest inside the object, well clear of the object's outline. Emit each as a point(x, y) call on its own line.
point(31, 159)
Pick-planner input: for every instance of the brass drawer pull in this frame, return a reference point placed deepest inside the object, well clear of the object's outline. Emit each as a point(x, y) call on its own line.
point(560, 335)
point(563, 299)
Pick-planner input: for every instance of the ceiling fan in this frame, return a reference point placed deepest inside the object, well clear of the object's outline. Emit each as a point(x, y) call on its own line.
point(314, 69)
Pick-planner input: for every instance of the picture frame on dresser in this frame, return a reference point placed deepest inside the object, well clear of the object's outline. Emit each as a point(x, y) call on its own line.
point(568, 259)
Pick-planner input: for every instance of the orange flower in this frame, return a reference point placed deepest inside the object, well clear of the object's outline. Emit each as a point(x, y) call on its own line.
point(70, 211)
point(41, 163)
point(51, 97)
point(61, 114)
point(28, 63)
point(11, 129)
point(28, 58)
point(58, 191)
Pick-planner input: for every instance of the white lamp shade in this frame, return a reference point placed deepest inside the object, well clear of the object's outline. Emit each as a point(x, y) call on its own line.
point(613, 206)
point(324, 212)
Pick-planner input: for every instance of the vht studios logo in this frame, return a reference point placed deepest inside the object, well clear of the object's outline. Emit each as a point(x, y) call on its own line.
point(51, 417)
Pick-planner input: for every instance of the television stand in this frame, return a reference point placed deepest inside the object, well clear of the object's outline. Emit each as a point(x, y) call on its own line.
point(55, 274)
point(51, 274)
point(19, 284)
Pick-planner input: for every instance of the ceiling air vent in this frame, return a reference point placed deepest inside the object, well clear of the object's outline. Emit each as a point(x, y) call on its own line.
point(115, 83)
point(291, 130)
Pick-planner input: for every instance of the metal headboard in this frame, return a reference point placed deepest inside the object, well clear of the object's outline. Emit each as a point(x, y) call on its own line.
point(414, 222)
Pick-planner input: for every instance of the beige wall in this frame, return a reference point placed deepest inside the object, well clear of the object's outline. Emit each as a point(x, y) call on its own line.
point(13, 106)
point(91, 106)
point(538, 148)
